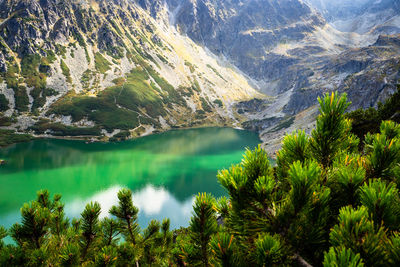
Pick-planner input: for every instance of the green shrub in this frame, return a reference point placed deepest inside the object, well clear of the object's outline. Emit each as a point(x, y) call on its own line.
point(66, 72)
point(8, 137)
point(101, 64)
point(58, 129)
point(6, 121)
point(21, 98)
point(3, 103)
point(369, 120)
point(218, 102)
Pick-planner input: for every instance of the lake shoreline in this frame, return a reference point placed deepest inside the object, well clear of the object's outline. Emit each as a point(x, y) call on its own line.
point(105, 139)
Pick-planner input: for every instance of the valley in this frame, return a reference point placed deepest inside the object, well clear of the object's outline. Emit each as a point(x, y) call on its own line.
point(114, 70)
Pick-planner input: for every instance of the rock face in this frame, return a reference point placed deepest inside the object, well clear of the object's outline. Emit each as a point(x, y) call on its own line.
point(296, 54)
point(246, 32)
point(287, 46)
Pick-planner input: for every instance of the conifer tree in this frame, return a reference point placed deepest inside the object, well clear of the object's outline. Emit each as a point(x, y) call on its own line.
point(347, 175)
point(126, 213)
point(295, 147)
point(332, 129)
point(34, 227)
point(203, 225)
point(269, 251)
point(223, 246)
point(383, 152)
point(90, 227)
point(356, 231)
point(383, 203)
point(110, 231)
point(3, 234)
point(342, 257)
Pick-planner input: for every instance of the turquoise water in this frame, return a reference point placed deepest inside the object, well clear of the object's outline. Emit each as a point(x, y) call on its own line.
point(164, 171)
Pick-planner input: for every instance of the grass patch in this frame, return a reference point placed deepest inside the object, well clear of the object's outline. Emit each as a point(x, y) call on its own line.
point(61, 50)
point(50, 92)
point(115, 52)
point(190, 66)
point(119, 81)
point(196, 85)
point(11, 76)
point(30, 71)
point(134, 100)
point(204, 105)
point(102, 65)
point(78, 36)
point(87, 55)
point(163, 59)
point(216, 72)
point(218, 102)
point(102, 110)
point(34, 69)
point(66, 72)
point(115, 26)
point(51, 56)
point(85, 78)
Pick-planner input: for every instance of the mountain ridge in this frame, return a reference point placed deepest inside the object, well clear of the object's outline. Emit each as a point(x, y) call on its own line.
point(185, 64)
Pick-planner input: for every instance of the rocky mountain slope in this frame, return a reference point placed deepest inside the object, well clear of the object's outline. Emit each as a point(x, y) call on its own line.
point(361, 16)
point(294, 54)
point(105, 68)
point(131, 67)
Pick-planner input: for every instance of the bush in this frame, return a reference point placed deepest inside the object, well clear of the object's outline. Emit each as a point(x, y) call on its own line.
point(65, 70)
point(58, 129)
point(369, 121)
point(8, 137)
point(21, 98)
point(3, 103)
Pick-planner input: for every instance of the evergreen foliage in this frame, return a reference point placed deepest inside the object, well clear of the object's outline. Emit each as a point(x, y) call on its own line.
point(369, 120)
point(327, 202)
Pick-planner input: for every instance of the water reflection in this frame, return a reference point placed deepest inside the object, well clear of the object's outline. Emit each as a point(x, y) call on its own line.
point(164, 171)
point(153, 203)
point(49, 154)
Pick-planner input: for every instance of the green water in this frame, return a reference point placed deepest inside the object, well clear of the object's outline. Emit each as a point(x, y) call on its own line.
point(164, 171)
